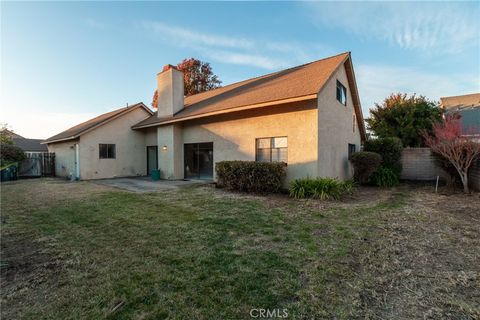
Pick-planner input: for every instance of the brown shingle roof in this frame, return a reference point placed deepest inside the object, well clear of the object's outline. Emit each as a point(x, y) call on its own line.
point(81, 128)
point(300, 81)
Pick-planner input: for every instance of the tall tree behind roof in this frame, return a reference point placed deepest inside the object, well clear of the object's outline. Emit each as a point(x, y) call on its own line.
point(198, 77)
point(404, 117)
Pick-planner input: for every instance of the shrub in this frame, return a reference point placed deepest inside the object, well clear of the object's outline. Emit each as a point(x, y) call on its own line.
point(251, 176)
point(390, 149)
point(320, 188)
point(385, 177)
point(348, 186)
point(301, 188)
point(364, 164)
point(11, 153)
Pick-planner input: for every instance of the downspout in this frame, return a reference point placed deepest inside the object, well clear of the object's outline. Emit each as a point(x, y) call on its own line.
point(77, 161)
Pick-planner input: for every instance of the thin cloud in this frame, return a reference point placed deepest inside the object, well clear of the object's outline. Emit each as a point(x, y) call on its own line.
point(185, 36)
point(235, 50)
point(449, 27)
point(245, 59)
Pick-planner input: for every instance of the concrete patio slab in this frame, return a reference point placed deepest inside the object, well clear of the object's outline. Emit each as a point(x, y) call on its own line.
point(146, 184)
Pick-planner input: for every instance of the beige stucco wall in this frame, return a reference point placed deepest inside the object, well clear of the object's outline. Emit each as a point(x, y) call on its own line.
point(130, 148)
point(335, 122)
point(150, 136)
point(64, 157)
point(234, 135)
point(170, 160)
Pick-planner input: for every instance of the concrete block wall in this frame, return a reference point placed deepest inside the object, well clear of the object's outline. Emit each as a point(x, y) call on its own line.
point(474, 175)
point(419, 164)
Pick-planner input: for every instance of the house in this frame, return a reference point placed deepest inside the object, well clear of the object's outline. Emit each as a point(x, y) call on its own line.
point(308, 116)
point(30, 145)
point(102, 147)
point(468, 107)
point(11, 134)
point(27, 145)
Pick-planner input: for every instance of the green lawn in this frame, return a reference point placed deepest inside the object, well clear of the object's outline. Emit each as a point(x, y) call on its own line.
point(80, 250)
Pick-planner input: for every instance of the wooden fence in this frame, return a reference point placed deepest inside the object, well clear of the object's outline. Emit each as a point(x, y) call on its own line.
point(37, 164)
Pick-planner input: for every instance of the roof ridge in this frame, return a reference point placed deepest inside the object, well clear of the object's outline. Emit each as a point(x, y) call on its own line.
point(109, 115)
point(269, 74)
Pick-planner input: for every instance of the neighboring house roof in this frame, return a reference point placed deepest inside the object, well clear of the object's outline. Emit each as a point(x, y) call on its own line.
point(461, 102)
point(78, 130)
point(11, 134)
point(468, 107)
point(294, 84)
point(30, 145)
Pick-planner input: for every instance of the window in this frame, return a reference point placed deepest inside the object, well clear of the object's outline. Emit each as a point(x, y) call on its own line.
point(341, 93)
point(351, 150)
point(353, 122)
point(106, 151)
point(271, 149)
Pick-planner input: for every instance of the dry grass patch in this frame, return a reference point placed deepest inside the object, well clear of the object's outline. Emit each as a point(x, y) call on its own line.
point(80, 250)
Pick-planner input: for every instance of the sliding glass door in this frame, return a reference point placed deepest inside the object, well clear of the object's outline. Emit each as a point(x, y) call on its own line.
point(198, 160)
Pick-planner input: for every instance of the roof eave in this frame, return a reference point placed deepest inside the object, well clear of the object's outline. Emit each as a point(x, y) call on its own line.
point(230, 110)
point(356, 98)
point(60, 140)
point(138, 105)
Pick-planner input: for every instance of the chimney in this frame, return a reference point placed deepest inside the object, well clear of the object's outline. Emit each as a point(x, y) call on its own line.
point(170, 91)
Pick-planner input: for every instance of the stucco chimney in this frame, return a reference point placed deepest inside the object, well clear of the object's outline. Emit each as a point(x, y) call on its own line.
point(170, 91)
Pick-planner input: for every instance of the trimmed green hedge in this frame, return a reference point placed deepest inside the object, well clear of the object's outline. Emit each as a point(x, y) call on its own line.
point(320, 188)
point(251, 176)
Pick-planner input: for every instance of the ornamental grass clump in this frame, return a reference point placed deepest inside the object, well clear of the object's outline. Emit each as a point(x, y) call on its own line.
point(320, 188)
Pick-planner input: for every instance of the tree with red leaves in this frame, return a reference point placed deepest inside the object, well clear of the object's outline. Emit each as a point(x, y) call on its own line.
point(449, 141)
point(198, 77)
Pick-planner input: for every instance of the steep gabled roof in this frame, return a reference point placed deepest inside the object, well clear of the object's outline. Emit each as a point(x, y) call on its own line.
point(294, 84)
point(11, 134)
point(79, 129)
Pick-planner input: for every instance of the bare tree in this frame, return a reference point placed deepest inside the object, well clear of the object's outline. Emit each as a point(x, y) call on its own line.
point(449, 141)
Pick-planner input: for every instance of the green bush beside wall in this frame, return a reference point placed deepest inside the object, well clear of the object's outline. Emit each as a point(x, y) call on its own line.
point(390, 149)
point(388, 174)
point(364, 165)
point(320, 188)
point(385, 177)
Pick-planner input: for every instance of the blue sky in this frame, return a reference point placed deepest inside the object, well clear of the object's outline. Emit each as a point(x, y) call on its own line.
point(62, 63)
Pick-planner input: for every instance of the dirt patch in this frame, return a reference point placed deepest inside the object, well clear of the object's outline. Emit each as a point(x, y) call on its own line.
point(24, 263)
point(363, 196)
